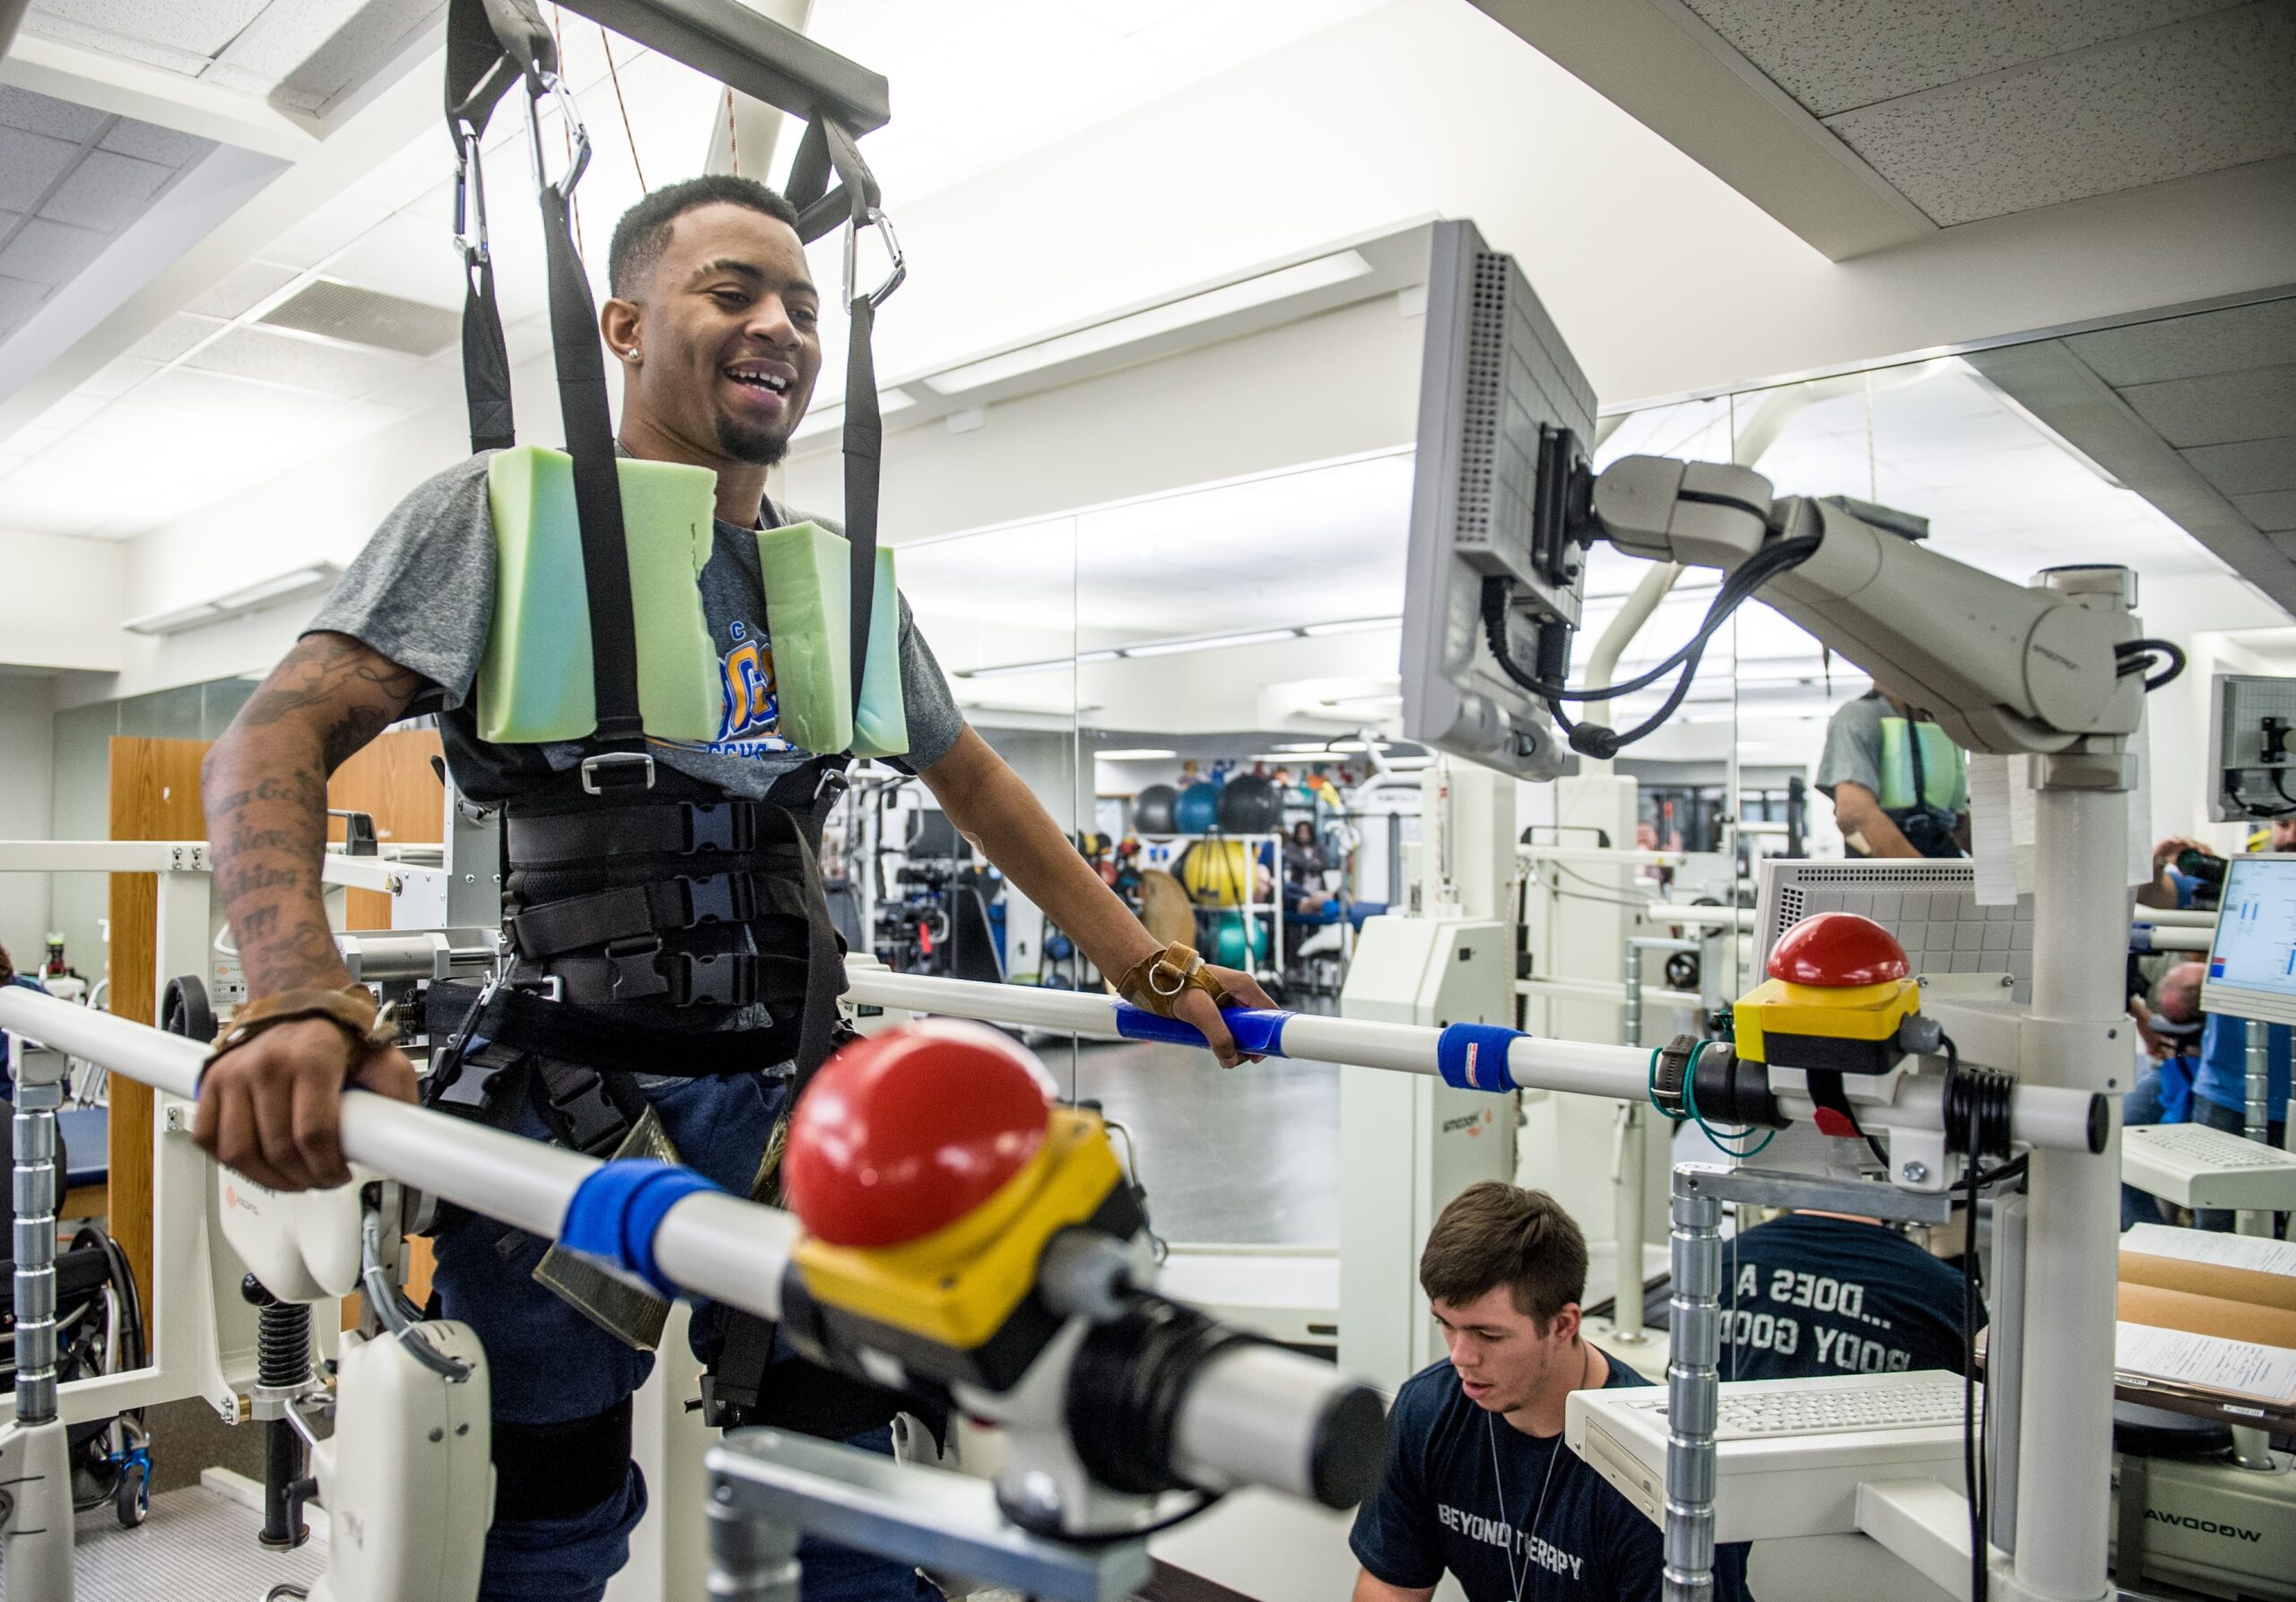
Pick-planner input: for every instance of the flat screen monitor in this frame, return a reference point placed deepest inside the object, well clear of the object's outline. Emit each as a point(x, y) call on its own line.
point(1505, 418)
point(2252, 957)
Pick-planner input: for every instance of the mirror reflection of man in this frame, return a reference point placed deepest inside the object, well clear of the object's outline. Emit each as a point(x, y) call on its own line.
point(1900, 787)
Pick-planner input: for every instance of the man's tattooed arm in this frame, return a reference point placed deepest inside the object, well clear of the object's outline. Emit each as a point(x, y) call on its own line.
point(264, 789)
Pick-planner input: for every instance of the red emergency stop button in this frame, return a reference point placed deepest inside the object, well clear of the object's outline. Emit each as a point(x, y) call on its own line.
point(907, 1132)
point(1837, 951)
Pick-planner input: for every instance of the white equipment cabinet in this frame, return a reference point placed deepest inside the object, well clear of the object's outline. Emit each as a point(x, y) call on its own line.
point(1409, 1143)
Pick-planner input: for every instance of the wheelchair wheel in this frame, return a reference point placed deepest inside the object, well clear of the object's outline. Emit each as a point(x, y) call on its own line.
point(131, 1499)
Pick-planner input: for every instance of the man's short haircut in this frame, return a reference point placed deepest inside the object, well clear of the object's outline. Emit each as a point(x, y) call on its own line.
point(1494, 1234)
point(2179, 995)
point(644, 231)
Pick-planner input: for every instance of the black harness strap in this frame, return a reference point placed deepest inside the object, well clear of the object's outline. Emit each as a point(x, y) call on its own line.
point(680, 829)
point(528, 1022)
point(633, 912)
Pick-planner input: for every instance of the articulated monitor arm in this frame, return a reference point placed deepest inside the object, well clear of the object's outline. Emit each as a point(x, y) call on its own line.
point(2001, 667)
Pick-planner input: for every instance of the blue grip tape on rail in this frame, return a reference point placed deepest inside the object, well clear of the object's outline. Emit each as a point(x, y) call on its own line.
point(615, 1213)
point(1473, 1055)
point(1257, 1030)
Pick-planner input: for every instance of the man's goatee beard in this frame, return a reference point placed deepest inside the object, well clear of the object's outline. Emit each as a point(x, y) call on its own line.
point(759, 446)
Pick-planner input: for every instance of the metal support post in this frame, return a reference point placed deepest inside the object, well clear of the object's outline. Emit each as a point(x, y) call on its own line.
point(2074, 1039)
point(1631, 1178)
point(1693, 1380)
point(2257, 1124)
point(752, 1556)
point(35, 1468)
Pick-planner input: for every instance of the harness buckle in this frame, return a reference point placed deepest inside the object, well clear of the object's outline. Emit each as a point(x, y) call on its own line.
point(720, 826)
point(729, 979)
point(617, 771)
point(721, 898)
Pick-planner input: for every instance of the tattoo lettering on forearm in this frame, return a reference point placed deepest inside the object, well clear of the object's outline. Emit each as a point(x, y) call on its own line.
point(266, 784)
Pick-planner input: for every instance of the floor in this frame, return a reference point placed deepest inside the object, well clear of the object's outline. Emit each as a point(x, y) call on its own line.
point(1247, 1156)
point(196, 1547)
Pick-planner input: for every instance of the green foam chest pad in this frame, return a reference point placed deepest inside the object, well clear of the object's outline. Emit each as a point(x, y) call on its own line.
point(535, 683)
point(535, 679)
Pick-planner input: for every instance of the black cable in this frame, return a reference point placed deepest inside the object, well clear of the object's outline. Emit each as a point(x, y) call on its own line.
point(2131, 657)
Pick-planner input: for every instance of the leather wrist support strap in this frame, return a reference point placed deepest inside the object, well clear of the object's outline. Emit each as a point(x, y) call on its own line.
point(351, 1009)
point(1156, 981)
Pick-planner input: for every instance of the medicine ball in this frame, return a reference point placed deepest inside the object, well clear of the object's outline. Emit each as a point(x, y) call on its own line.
point(1228, 947)
point(1198, 812)
point(1152, 810)
point(1250, 805)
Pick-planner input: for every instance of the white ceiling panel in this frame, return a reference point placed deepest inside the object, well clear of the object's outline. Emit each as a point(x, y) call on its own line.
point(107, 190)
point(409, 257)
point(2207, 94)
point(325, 230)
point(49, 252)
point(173, 337)
point(2275, 513)
point(117, 376)
point(195, 27)
point(240, 291)
point(17, 298)
point(63, 31)
point(29, 164)
point(44, 113)
point(147, 143)
point(2184, 347)
point(2248, 467)
point(1835, 54)
point(305, 363)
point(2220, 408)
point(308, 52)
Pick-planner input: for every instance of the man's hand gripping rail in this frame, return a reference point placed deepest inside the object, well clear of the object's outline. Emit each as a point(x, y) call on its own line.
point(1082, 1338)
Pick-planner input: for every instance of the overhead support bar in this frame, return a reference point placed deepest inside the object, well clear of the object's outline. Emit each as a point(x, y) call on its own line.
point(750, 52)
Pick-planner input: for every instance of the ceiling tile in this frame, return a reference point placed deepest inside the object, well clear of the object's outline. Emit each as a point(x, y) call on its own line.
point(2195, 98)
point(66, 31)
point(195, 27)
point(2185, 347)
point(2275, 513)
point(322, 233)
point(146, 143)
point(306, 363)
point(1833, 55)
point(44, 113)
point(2249, 467)
point(244, 287)
point(17, 299)
point(107, 190)
point(173, 337)
point(310, 51)
point(51, 252)
point(2220, 409)
point(29, 164)
point(117, 377)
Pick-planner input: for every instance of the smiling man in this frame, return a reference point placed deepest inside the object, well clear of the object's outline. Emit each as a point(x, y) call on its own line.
point(679, 918)
point(1478, 1481)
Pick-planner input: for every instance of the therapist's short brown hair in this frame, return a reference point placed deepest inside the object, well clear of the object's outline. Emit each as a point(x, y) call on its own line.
point(1494, 1234)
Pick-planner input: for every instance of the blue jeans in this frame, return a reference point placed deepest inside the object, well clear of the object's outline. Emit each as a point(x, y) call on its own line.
point(2232, 1120)
point(551, 1365)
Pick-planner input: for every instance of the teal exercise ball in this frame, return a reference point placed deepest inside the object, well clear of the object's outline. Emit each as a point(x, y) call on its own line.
point(1227, 948)
point(1198, 812)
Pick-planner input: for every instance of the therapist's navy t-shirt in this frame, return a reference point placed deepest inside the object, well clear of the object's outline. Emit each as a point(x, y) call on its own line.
point(1807, 1296)
point(1439, 1506)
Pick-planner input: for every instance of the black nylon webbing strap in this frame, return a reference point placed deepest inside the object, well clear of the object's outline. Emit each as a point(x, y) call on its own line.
point(486, 362)
point(597, 491)
point(687, 827)
point(528, 1022)
point(573, 922)
point(865, 434)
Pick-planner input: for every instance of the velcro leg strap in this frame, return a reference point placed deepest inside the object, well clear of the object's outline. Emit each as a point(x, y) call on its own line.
point(1473, 1055)
point(615, 1213)
point(559, 1470)
point(632, 911)
point(1256, 1029)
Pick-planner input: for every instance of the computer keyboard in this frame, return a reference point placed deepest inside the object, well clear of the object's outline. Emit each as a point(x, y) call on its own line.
point(1789, 1454)
point(2195, 1166)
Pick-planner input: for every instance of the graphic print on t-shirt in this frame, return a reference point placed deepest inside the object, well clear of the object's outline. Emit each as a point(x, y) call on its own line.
point(750, 723)
point(1811, 1295)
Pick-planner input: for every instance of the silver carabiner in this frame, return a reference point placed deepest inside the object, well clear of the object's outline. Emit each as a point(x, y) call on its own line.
point(553, 85)
point(894, 278)
point(470, 199)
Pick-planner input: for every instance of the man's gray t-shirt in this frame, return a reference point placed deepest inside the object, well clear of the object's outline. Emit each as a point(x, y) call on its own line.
point(422, 594)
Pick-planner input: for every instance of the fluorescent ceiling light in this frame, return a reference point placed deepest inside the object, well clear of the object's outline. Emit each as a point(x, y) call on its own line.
point(1173, 648)
point(1140, 754)
point(1242, 296)
point(823, 420)
point(1361, 625)
point(1321, 748)
point(1004, 669)
point(1097, 655)
point(287, 586)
